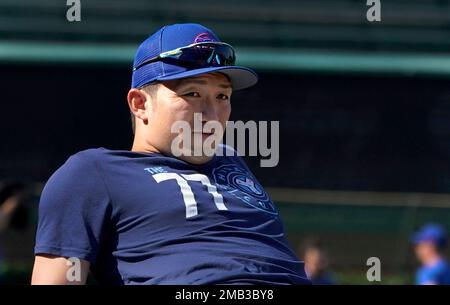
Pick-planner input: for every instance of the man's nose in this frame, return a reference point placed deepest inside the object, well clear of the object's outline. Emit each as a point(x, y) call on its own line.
point(210, 110)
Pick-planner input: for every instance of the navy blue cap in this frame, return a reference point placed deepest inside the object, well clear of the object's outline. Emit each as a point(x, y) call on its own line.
point(431, 233)
point(180, 35)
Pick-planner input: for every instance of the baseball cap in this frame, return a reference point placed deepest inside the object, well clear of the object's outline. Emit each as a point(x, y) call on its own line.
point(431, 233)
point(172, 37)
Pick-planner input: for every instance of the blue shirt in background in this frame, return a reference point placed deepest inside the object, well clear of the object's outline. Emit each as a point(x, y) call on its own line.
point(438, 274)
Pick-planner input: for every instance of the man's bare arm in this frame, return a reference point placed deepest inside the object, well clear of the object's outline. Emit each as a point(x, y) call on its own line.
point(55, 270)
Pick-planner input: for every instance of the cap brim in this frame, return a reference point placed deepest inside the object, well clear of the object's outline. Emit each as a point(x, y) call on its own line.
point(420, 238)
point(241, 77)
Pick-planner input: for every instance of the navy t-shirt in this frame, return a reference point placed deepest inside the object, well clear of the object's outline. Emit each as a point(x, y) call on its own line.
point(145, 218)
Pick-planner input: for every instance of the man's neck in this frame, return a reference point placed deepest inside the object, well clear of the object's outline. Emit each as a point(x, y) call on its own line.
point(433, 260)
point(140, 146)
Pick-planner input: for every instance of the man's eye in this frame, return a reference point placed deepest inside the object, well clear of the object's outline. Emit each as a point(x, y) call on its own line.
point(223, 97)
point(193, 94)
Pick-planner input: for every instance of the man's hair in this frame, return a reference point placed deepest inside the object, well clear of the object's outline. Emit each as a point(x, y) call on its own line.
point(151, 89)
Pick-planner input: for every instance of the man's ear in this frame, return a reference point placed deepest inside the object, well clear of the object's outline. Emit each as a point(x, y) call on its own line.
point(137, 100)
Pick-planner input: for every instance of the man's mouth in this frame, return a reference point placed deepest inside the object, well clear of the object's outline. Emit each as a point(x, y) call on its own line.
point(204, 135)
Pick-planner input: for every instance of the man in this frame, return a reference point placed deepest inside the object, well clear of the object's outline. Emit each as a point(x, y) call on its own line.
point(152, 215)
point(316, 264)
point(430, 243)
point(13, 209)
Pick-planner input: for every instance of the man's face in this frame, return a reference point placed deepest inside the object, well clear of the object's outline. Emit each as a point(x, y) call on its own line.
point(315, 261)
point(424, 250)
point(207, 95)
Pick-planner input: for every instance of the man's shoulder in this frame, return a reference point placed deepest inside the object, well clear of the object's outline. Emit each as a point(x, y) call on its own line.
point(83, 161)
point(438, 273)
point(93, 155)
point(434, 270)
point(79, 174)
point(444, 267)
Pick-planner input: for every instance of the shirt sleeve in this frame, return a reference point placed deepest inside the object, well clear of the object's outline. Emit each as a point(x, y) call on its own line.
point(426, 276)
point(74, 211)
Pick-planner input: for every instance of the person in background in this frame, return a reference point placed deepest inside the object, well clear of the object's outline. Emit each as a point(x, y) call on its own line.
point(317, 264)
point(13, 209)
point(13, 212)
point(429, 245)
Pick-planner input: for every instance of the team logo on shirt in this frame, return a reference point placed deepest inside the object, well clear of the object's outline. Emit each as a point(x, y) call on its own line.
point(238, 183)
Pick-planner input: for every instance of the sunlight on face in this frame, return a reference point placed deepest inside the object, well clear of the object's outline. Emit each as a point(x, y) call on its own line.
point(179, 100)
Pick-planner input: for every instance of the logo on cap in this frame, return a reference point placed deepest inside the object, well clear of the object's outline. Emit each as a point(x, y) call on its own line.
point(204, 37)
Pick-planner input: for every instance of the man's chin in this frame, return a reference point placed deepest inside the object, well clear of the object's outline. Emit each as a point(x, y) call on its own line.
point(196, 154)
point(197, 160)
